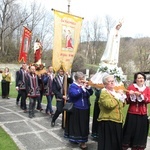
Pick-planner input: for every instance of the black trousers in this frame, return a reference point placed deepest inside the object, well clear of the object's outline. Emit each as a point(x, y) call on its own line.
point(18, 96)
point(59, 110)
point(32, 103)
point(5, 89)
point(23, 99)
point(39, 101)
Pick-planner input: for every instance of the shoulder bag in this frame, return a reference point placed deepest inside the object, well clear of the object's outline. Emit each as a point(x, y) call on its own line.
point(68, 107)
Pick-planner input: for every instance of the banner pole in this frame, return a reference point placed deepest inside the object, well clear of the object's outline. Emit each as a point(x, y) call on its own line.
point(65, 92)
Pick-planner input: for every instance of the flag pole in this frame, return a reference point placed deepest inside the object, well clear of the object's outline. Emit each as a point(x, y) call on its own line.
point(69, 6)
point(65, 82)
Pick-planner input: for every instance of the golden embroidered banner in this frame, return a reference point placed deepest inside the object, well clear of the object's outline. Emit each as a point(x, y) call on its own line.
point(67, 29)
point(24, 45)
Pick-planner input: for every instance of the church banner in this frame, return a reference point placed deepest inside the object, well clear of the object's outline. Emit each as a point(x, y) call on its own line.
point(24, 45)
point(67, 29)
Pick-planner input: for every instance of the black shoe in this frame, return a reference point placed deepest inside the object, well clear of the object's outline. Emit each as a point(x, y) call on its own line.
point(33, 115)
point(17, 103)
point(30, 116)
point(52, 123)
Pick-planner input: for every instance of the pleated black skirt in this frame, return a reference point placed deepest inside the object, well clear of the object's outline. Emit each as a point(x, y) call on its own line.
point(77, 125)
point(135, 131)
point(110, 135)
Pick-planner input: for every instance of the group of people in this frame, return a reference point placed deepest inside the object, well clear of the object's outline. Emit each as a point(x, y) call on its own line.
point(110, 127)
point(34, 86)
point(112, 130)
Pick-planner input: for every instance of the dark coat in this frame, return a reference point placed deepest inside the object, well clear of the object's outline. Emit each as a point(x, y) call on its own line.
point(58, 87)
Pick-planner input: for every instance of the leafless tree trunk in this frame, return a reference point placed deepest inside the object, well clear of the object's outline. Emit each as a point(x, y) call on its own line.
point(142, 53)
point(10, 19)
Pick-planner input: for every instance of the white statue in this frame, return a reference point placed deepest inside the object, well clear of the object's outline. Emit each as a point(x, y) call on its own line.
point(109, 60)
point(111, 53)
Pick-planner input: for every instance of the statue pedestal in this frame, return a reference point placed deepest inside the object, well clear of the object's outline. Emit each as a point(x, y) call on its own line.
point(40, 68)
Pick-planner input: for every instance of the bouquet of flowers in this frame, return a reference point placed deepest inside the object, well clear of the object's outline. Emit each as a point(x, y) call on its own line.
point(112, 70)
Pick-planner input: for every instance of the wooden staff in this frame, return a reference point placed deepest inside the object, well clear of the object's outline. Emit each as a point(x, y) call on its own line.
point(65, 93)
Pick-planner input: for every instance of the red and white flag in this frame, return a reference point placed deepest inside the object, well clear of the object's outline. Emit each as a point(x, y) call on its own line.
point(24, 45)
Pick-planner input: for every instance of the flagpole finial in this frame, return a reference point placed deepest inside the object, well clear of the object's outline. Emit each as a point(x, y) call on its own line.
point(69, 6)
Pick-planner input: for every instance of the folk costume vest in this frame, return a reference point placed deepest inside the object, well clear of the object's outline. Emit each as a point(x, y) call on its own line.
point(22, 83)
point(34, 90)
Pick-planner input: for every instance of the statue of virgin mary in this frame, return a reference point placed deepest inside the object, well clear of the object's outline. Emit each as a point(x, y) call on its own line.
point(111, 53)
point(109, 60)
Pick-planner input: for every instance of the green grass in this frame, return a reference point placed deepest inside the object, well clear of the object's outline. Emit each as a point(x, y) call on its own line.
point(6, 143)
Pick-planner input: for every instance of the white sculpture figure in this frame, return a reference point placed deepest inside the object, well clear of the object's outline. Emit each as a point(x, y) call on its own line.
point(111, 53)
point(109, 60)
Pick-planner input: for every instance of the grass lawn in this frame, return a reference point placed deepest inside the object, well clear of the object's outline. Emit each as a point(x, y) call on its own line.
point(6, 143)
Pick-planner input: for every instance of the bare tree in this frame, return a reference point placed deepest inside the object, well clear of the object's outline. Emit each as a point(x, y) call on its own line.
point(92, 34)
point(38, 24)
point(142, 52)
point(10, 20)
point(109, 23)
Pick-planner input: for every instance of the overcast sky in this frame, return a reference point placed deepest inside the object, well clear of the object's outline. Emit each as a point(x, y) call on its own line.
point(136, 13)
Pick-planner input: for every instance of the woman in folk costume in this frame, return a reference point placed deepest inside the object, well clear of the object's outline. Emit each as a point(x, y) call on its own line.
point(6, 79)
point(135, 130)
point(111, 117)
point(79, 93)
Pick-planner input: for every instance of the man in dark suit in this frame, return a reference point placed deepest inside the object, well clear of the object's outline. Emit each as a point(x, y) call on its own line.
point(19, 93)
point(60, 95)
point(21, 85)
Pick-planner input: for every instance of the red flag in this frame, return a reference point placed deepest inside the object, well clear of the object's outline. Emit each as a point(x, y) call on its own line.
point(24, 46)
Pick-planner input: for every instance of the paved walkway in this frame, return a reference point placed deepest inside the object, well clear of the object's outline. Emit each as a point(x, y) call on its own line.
point(36, 133)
